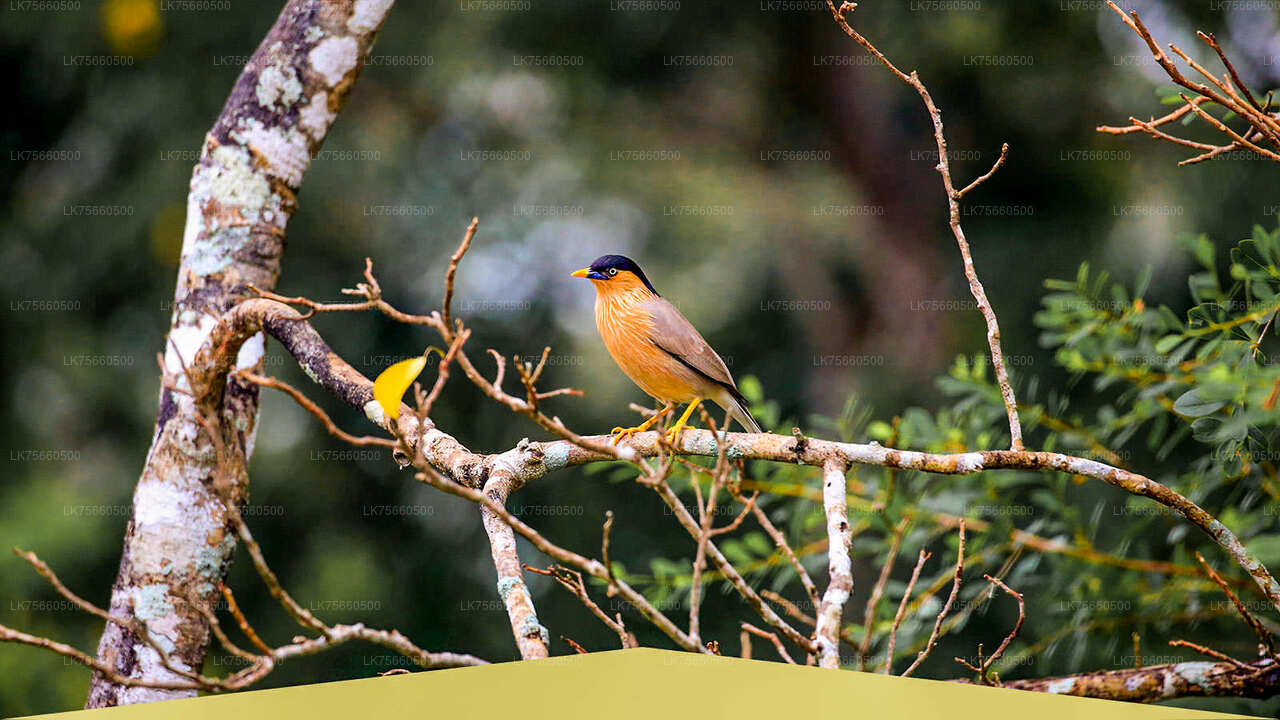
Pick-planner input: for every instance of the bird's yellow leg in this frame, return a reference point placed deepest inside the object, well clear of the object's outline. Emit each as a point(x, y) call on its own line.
point(674, 432)
point(619, 433)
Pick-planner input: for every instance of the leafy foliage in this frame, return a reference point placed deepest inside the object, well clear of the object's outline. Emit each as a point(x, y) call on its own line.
point(1187, 399)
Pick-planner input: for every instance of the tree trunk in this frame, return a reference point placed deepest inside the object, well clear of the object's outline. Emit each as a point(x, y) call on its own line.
point(178, 544)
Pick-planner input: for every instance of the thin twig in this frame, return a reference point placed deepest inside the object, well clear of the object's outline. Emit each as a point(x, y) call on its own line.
point(946, 608)
point(877, 591)
point(453, 270)
point(1264, 636)
point(245, 627)
point(571, 580)
point(902, 609)
point(311, 407)
point(771, 637)
point(944, 169)
point(1004, 155)
point(1017, 626)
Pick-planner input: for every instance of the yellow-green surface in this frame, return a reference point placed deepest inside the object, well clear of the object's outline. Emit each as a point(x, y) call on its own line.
point(642, 683)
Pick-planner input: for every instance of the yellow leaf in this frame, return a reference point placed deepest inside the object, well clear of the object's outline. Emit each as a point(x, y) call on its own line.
point(394, 381)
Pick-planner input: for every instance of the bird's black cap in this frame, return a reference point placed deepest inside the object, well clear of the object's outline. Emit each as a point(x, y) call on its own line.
point(604, 263)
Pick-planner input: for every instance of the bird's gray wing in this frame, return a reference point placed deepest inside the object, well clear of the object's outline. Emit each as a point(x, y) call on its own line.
point(673, 333)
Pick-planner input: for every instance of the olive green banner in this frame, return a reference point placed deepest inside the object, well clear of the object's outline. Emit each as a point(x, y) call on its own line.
point(641, 683)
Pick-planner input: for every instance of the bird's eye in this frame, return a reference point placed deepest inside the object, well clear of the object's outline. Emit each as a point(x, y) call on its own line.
point(613, 271)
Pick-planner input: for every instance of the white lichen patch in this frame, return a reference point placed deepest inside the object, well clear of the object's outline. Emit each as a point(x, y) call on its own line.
point(506, 585)
point(211, 560)
point(373, 411)
point(969, 462)
point(151, 602)
point(186, 435)
point(314, 117)
point(1196, 673)
point(184, 342)
point(368, 15)
point(158, 503)
point(152, 667)
point(555, 455)
point(169, 528)
point(274, 212)
point(699, 444)
point(251, 352)
point(532, 627)
point(232, 182)
point(1170, 687)
point(333, 58)
point(1062, 686)
point(210, 242)
point(1088, 468)
point(313, 33)
point(285, 150)
point(191, 231)
point(278, 87)
point(217, 251)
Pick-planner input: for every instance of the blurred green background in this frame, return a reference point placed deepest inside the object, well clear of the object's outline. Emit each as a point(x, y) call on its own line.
point(772, 182)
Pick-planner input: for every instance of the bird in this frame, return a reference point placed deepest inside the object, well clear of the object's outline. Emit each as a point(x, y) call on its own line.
point(658, 348)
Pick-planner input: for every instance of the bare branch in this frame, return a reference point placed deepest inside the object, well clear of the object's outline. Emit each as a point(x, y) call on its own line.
point(453, 270)
point(877, 591)
point(902, 610)
point(1265, 637)
point(571, 580)
point(1022, 615)
point(563, 556)
point(241, 620)
point(944, 169)
point(1162, 682)
point(1004, 155)
point(1229, 92)
point(839, 566)
point(771, 637)
point(311, 407)
point(942, 614)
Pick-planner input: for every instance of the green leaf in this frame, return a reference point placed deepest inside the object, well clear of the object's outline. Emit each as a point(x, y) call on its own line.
point(1190, 404)
point(1144, 281)
point(879, 430)
point(756, 543)
point(1204, 429)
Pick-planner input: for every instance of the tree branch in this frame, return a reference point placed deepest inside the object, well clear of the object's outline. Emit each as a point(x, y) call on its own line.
point(839, 566)
point(953, 206)
point(243, 192)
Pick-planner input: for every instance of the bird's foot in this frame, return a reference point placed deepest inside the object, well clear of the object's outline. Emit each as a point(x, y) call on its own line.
point(674, 433)
point(622, 433)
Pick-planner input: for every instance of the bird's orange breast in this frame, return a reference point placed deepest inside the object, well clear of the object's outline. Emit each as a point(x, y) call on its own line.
point(626, 328)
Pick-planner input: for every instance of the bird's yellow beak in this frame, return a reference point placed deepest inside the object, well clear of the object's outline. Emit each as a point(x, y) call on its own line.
point(581, 273)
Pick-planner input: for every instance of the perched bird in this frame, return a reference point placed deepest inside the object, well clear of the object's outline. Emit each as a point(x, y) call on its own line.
point(658, 348)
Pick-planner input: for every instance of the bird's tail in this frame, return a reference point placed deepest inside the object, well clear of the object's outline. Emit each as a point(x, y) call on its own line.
point(736, 406)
